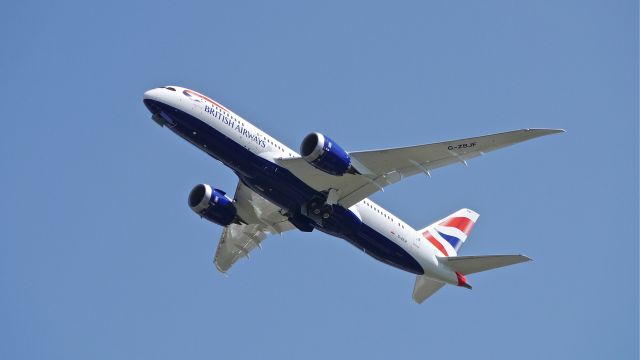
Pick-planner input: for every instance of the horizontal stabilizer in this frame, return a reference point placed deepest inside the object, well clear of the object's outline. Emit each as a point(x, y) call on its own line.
point(472, 264)
point(424, 288)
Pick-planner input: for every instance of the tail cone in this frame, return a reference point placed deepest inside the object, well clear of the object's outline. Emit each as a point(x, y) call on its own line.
point(462, 281)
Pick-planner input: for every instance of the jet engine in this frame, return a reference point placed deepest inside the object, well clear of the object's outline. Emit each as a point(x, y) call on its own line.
point(212, 204)
point(324, 154)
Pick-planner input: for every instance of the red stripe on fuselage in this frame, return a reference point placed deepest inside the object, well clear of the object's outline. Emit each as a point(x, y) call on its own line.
point(461, 223)
point(435, 242)
point(206, 98)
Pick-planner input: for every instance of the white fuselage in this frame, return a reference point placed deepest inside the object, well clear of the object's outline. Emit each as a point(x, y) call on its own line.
point(265, 146)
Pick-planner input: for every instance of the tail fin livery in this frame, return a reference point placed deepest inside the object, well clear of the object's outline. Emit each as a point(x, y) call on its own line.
point(448, 234)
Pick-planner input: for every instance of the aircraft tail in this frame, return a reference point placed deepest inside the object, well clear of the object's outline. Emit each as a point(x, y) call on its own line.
point(462, 265)
point(450, 233)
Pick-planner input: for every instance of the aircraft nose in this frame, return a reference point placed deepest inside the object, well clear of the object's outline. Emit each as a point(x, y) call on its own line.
point(151, 99)
point(151, 94)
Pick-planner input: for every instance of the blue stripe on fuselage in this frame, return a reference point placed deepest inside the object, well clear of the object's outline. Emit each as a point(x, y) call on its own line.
point(278, 184)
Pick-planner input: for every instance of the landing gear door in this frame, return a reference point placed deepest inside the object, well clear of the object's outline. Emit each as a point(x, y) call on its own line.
point(164, 119)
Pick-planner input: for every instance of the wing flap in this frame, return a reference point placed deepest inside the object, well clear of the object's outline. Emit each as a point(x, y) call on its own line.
point(236, 242)
point(260, 218)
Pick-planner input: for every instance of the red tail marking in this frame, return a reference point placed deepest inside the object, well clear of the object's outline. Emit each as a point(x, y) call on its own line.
point(462, 281)
point(461, 223)
point(435, 242)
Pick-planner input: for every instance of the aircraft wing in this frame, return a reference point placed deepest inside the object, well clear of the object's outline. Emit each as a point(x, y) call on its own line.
point(260, 217)
point(380, 168)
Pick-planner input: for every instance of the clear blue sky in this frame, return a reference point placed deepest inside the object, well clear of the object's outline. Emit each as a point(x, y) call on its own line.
point(101, 258)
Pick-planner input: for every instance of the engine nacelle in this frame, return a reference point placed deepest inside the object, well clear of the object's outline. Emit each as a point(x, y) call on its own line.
point(324, 154)
point(212, 204)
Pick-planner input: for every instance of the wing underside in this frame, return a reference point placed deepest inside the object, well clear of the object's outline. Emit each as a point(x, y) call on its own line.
point(381, 168)
point(259, 219)
point(474, 264)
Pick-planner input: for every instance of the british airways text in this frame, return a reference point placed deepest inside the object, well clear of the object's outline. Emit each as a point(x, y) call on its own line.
point(235, 125)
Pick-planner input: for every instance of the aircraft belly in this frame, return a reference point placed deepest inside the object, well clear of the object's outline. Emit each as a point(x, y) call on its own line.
point(281, 187)
point(372, 242)
point(383, 249)
point(261, 175)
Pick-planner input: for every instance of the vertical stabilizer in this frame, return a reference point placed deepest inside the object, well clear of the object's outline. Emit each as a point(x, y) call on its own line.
point(448, 234)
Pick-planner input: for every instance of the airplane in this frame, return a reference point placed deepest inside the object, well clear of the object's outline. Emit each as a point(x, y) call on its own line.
point(326, 188)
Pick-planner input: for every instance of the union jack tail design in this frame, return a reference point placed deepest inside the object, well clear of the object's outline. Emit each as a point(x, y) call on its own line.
point(448, 234)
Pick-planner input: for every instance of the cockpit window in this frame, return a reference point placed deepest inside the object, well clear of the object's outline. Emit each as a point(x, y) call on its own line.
point(186, 93)
point(170, 88)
